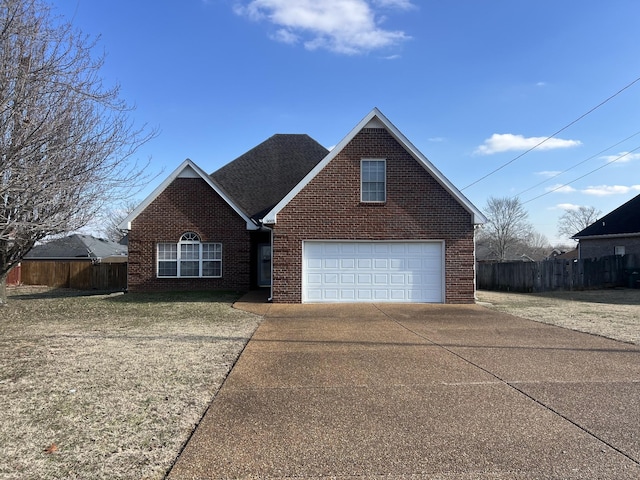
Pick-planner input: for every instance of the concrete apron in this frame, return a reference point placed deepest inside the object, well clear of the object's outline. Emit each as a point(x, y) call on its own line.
point(420, 391)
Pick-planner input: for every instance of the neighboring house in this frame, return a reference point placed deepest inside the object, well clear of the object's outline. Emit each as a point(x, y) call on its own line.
point(563, 254)
point(617, 233)
point(486, 254)
point(372, 220)
point(80, 248)
point(78, 261)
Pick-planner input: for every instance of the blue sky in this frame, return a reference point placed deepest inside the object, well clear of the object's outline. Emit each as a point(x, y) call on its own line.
point(473, 84)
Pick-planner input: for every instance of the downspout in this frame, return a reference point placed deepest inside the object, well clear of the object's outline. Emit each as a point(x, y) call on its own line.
point(476, 227)
point(270, 299)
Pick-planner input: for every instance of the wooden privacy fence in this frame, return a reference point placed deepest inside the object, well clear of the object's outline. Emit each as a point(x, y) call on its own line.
point(80, 275)
point(14, 276)
point(560, 274)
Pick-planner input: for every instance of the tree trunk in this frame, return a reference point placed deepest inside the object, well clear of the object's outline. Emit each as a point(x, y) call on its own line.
point(3, 288)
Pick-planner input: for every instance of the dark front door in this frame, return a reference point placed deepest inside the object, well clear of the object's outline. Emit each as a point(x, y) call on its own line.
point(264, 265)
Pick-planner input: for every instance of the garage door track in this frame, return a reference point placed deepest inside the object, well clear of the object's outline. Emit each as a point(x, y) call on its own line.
point(420, 391)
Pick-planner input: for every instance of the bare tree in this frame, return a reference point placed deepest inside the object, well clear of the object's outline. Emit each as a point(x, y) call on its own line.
point(66, 141)
point(507, 227)
point(537, 245)
point(113, 217)
point(573, 221)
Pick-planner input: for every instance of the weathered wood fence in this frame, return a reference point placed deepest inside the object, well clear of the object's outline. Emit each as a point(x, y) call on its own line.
point(80, 275)
point(14, 276)
point(560, 274)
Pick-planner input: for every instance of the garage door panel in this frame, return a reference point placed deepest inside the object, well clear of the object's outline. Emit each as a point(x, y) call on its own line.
point(381, 294)
point(373, 271)
point(331, 279)
point(348, 279)
point(347, 263)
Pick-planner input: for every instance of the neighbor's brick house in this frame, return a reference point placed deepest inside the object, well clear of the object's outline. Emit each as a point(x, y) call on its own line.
point(372, 220)
point(617, 233)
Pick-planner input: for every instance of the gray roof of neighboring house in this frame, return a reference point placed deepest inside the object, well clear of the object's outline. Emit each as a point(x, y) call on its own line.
point(260, 178)
point(77, 246)
point(622, 221)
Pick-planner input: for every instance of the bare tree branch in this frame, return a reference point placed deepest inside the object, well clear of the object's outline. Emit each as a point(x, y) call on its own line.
point(507, 227)
point(66, 141)
point(573, 221)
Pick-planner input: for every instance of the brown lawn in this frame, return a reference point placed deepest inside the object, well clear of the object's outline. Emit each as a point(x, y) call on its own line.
point(611, 313)
point(109, 386)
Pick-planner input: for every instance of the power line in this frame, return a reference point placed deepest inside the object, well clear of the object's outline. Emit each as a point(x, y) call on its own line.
point(554, 134)
point(582, 176)
point(578, 164)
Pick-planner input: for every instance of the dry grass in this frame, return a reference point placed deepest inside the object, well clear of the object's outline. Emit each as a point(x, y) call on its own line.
point(109, 386)
point(612, 313)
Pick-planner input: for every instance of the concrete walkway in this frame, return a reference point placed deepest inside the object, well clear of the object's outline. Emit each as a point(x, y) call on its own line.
point(420, 391)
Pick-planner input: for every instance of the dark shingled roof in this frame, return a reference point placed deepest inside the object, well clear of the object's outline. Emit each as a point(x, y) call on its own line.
point(257, 180)
point(77, 246)
point(623, 220)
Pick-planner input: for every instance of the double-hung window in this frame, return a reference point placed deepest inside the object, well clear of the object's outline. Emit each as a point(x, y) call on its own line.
point(373, 176)
point(190, 258)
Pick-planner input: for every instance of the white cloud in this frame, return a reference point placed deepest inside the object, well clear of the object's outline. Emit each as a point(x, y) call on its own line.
point(342, 26)
point(549, 173)
point(622, 157)
point(400, 4)
point(604, 190)
point(285, 36)
point(505, 142)
point(561, 188)
point(567, 206)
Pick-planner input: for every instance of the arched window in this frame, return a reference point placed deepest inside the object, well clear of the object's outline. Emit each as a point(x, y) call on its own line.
point(190, 258)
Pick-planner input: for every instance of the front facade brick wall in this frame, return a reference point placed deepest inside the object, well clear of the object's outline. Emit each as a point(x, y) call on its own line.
point(188, 205)
point(416, 208)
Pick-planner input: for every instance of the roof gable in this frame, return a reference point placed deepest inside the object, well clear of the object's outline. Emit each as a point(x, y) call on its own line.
point(624, 220)
point(260, 178)
point(375, 119)
point(187, 169)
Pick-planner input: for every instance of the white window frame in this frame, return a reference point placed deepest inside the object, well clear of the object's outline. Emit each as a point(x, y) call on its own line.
point(365, 192)
point(187, 252)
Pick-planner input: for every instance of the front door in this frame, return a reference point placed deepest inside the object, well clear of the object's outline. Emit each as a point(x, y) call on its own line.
point(264, 265)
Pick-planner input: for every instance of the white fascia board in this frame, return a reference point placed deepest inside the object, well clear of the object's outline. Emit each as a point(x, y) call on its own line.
point(607, 236)
point(186, 169)
point(378, 120)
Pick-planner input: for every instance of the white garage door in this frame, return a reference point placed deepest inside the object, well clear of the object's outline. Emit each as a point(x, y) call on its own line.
point(372, 272)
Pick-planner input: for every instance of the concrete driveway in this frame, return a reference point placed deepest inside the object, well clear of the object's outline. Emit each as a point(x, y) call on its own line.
point(420, 391)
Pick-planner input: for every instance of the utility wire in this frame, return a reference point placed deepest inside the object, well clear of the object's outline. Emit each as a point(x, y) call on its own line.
point(577, 164)
point(554, 134)
point(582, 176)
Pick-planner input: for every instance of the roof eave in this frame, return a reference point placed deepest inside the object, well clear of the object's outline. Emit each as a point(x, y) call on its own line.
point(606, 236)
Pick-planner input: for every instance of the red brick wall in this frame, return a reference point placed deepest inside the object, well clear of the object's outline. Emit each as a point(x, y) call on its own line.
point(417, 208)
point(188, 205)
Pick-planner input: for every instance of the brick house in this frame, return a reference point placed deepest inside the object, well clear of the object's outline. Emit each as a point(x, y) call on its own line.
point(372, 220)
point(617, 233)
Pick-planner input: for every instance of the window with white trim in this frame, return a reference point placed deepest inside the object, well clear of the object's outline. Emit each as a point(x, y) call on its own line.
point(190, 258)
point(373, 177)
